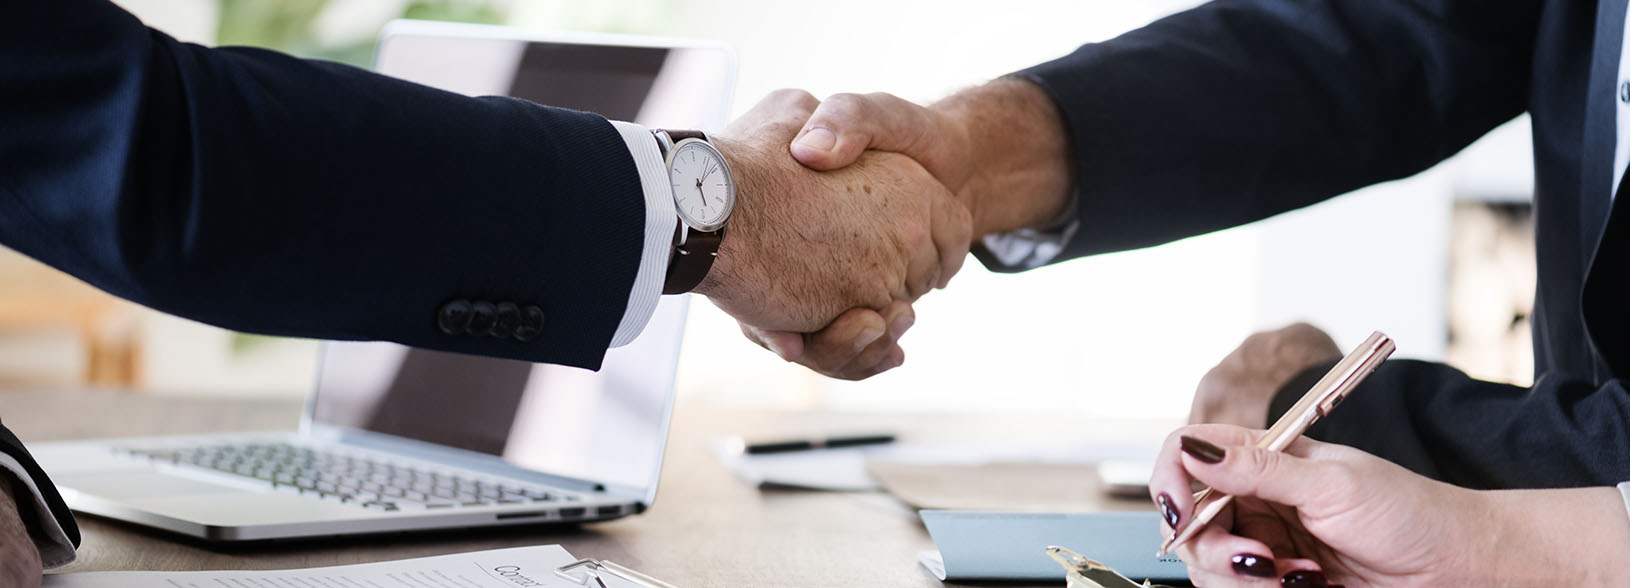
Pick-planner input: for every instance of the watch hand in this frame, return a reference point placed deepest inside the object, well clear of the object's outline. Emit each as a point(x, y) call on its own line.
point(699, 191)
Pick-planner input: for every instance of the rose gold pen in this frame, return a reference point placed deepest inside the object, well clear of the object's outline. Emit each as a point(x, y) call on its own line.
point(1318, 402)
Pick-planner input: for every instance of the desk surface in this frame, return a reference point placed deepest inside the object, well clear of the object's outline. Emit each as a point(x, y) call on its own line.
point(706, 529)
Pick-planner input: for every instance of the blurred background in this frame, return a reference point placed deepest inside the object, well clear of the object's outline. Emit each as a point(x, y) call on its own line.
point(1442, 261)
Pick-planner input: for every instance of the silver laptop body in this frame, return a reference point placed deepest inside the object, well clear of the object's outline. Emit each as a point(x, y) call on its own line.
point(397, 439)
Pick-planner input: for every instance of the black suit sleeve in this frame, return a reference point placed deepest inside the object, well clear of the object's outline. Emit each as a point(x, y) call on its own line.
point(1242, 109)
point(52, 552)
point(1437, 421)
point(268, 194)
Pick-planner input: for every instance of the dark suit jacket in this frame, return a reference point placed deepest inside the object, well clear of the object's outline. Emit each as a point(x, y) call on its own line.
point(1242, 109)
point(263, 193)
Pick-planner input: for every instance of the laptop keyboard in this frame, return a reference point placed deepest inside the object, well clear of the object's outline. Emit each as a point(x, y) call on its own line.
point(349, 479)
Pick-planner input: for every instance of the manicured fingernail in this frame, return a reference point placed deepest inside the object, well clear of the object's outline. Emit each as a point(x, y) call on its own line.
point(866, 338)
point(1304, 579)
point(1167, 511)
point(1255, 566)
point(818, 139)
point(1202, 450)
point(900, 325)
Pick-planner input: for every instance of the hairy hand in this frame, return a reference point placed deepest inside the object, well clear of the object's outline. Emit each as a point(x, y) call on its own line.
point(1239, 390)
point(19, 559)
point(804, 247)
point(999, 148)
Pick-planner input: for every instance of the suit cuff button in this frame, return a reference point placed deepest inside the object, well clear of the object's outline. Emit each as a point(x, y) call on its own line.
point(454, 317)
point(482, 316)
point(506, 320)
point(531, 324)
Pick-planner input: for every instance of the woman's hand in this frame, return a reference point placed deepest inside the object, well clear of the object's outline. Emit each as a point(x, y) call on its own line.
point(1359, 520)
point(1321, 510)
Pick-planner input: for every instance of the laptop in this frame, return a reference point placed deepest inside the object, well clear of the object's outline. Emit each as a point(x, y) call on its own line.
point(398, 439)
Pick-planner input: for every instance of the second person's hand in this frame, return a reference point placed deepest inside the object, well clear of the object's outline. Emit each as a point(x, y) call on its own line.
point(1239, 389)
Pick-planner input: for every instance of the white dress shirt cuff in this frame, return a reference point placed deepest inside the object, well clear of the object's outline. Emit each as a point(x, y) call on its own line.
point(55, 548)
point(660, 220)
point(1035, 247)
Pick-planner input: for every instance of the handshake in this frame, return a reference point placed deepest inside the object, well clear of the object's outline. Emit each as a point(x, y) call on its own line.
point(850, 210)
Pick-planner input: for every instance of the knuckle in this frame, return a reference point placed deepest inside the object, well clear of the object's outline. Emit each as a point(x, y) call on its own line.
point(793, 96)
point(1258, 465)
point(845, 105)
point(883, 98)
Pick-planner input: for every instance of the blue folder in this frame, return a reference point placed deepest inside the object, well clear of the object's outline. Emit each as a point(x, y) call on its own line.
point(996, 545)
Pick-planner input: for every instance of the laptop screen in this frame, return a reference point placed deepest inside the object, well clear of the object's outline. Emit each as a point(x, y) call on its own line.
point(607, 426)
point(654, 83)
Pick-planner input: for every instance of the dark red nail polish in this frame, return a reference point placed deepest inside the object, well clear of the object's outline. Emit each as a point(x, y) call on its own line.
point(1304, 579)
point(1167, 510)
point(1201, 449)
point(1254, 566)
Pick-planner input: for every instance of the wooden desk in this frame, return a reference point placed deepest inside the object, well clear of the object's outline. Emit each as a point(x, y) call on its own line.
point(707, 529)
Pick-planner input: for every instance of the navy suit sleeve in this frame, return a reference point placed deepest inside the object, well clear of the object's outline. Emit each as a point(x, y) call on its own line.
point(1242, 109)
point(262, 193)
point(1435, 420)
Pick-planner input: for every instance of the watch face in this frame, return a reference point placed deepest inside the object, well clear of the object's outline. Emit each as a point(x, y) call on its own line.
point(704, 190)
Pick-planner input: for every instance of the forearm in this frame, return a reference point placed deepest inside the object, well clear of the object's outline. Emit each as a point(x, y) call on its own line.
point(263, 193)
point(1561, 433)
point(1241, 109)
point(1018, 154)
point(1568, 537)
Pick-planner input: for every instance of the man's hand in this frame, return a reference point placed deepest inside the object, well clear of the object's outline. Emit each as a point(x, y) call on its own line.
point(804, 247)
point(1001, 148)
point(19, 559)
point(1238, 390)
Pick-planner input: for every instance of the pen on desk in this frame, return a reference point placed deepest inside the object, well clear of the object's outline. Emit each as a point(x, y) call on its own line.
point(817, 443)
point(1318, 402)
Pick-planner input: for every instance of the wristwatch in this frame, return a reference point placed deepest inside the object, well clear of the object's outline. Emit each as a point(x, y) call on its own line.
point(704, 193)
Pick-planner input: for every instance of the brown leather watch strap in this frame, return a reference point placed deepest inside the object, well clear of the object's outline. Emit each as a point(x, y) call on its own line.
point(691, 261)
point(681, 135)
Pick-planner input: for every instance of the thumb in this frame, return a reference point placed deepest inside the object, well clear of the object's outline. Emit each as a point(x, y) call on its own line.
point(1249, 471)
point(846, 125)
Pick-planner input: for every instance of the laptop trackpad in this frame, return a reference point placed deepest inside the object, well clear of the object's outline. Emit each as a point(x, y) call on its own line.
point(140, 484)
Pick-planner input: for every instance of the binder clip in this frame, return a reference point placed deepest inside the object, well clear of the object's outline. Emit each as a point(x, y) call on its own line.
point(593, 570)
point(1080, 572)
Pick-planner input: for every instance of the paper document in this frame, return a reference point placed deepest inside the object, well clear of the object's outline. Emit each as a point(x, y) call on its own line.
point(498, 568)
